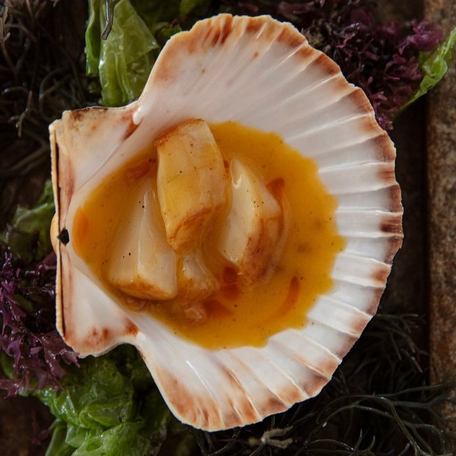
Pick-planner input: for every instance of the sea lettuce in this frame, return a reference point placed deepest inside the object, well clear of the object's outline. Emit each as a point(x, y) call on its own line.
point(27, 234)
point(121, 56)
point(109, 406)
point(122, 61)
point(434, 65)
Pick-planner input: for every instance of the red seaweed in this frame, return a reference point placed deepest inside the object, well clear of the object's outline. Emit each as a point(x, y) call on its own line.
point(29, 343)
point(381, 58)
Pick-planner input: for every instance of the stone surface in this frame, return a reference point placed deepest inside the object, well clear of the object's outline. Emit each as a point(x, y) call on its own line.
point(442, 210)
point(22, 421)
point(407, 289)
point(407, 285)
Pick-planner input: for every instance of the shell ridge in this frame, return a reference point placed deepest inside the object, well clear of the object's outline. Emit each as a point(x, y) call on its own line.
point(183, 404)
point(349, 307)
point(300, 358)
point(341, 146)
point(202, 405)
point(237, 384)
point(356, 259)
point(346, 166)
point(339, 318)
point(207, 398)
point(369, 223)
point(238, 359)
point(266, 100)
point(340, 122)
point(336, 123)
point(272, 69)
point(242, 88)
point(364, 178)
point(382, 248)
point(314, 111)
point(300, 333)
point(305, 91)
point(321, 320)
point(353, 280)
point(378, 235)
point(271, 41)
point(207, 386)
point(264, 355)
point(307, 375)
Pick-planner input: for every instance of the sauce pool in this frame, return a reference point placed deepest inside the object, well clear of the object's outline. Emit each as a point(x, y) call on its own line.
point(236, 316)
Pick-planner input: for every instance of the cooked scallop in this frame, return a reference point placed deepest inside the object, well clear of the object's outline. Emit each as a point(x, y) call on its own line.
point(191, 182)
point(196, 281)
point(250, 235)
point(142, 263)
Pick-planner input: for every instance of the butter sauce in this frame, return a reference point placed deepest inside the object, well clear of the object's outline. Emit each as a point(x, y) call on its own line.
point(236, 315)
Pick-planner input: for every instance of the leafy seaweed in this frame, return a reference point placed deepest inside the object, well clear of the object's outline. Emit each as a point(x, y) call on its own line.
point(434, 66)
point(123, 39)
point(27, 234)
point(122, 61)
point(108, 406)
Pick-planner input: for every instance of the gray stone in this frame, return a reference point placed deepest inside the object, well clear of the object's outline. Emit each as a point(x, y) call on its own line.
point(441, 131)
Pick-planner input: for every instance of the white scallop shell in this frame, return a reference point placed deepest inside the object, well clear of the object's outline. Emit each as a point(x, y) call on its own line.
point(264, 74)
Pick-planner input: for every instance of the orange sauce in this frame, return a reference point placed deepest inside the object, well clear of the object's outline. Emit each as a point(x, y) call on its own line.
point(236, 315)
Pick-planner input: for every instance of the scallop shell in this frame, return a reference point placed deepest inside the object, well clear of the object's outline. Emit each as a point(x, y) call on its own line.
point(264, 74)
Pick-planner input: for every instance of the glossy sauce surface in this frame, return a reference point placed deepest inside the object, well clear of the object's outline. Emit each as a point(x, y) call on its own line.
point(236, 315)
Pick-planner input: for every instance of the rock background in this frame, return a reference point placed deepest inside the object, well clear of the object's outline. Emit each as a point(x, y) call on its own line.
point(441, 173)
